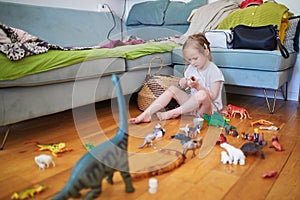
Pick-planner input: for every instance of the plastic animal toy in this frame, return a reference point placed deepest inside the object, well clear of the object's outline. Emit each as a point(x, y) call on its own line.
point(102, 161)
point(276, 144)
point(29, 192)
point(225, 158)
point(192, 145)
point(191, 131)
point(158, 133)
point(43, 161)
point(235, 155)
point(182, 137)
point(255, 135)
point(55, 148)
point(222, 139)
point(235, 109)
point(269, 174)
point(262, 122)
point(216, 119)
point(251, 148)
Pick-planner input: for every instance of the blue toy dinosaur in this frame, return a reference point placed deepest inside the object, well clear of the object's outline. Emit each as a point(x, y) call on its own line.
point(102, 161)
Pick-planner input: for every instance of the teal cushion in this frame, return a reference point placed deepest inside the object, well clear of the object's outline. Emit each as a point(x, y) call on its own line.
point(149, 12)
point(178, 12)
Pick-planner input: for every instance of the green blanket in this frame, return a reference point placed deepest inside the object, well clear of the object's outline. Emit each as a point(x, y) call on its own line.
point(53, 59)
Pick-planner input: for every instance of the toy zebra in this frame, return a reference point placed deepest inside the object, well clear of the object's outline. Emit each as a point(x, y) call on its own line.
point(102, 161)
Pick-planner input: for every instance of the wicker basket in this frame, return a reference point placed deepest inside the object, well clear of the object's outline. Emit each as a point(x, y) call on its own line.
point(154, 85)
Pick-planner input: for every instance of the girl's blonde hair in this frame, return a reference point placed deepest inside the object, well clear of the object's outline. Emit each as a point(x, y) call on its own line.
point(199, 42)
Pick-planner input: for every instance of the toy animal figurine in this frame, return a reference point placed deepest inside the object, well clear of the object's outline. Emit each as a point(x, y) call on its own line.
point(191, 131)
point(55, 148)
point(158, 133)
point(102, 161)
point(242, 111)
point(182, 137)
point(43, 161)
point(29, 192)
point(225, 158)
point(276, 144)
point(192, 145)
point(251, 148)
point(222, 139)
point(269, 174)
point(235, 154)
point(262, 122)
point(216, 119)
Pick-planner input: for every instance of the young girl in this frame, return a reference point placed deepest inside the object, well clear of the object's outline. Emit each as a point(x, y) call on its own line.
point(203, 77)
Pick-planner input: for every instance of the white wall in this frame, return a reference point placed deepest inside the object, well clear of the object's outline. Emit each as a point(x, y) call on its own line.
point(118, 7)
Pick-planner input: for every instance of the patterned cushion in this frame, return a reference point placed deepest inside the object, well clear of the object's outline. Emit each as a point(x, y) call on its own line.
point(291, 33)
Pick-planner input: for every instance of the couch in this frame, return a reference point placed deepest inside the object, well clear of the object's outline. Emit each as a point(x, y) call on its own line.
point(78, 84)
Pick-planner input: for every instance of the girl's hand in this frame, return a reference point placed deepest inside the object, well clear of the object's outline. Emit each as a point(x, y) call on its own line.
point(183, 82)
point(193, 83)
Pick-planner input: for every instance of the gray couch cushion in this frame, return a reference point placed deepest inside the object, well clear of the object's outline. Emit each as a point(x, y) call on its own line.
point(252, 59)
point(150, 12)
point(172, 17)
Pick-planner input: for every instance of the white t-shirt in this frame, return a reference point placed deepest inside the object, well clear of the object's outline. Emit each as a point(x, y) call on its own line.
point(205, 78)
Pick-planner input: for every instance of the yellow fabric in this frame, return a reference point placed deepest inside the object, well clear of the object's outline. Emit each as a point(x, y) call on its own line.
point(256, 15)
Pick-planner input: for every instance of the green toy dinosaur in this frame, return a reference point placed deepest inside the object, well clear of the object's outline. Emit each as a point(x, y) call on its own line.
point(216, 119)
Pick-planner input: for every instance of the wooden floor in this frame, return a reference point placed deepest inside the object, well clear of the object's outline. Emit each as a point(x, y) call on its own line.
point(205, 178)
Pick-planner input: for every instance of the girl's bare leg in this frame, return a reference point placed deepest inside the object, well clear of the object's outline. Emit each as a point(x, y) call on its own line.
point(198, 102)
point(160, 103)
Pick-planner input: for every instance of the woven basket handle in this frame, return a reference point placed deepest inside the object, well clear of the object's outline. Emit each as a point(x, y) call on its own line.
point(151, 62)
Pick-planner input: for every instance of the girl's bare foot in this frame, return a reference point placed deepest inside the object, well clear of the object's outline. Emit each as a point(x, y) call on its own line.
point(166, 115)
point(141, 118)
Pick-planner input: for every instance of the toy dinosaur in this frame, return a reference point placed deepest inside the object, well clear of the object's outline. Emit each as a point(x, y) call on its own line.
point(216, 119)
point(29, 192)
point(192, 145)
point(158, 132)
point(102, 161)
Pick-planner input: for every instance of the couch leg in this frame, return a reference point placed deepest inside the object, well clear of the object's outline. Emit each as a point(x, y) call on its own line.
point(284, 94)
point(5, 138)
point(274, 101)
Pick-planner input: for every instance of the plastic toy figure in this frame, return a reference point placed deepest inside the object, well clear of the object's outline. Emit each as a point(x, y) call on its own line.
point(276, 144)
point(221, 140)
point(269, 128)
point(55, 148)
point(191, 132)
point(182, 137)
point(225, 158)
point(269, 174)
point(251, 148)
point(235, 155)
point(102, 161)
point(29, 192)
point(43, 161)
point(262, 122)
point(192, 145)
point(255, 135)
point(238, 110)
point(158, 133)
